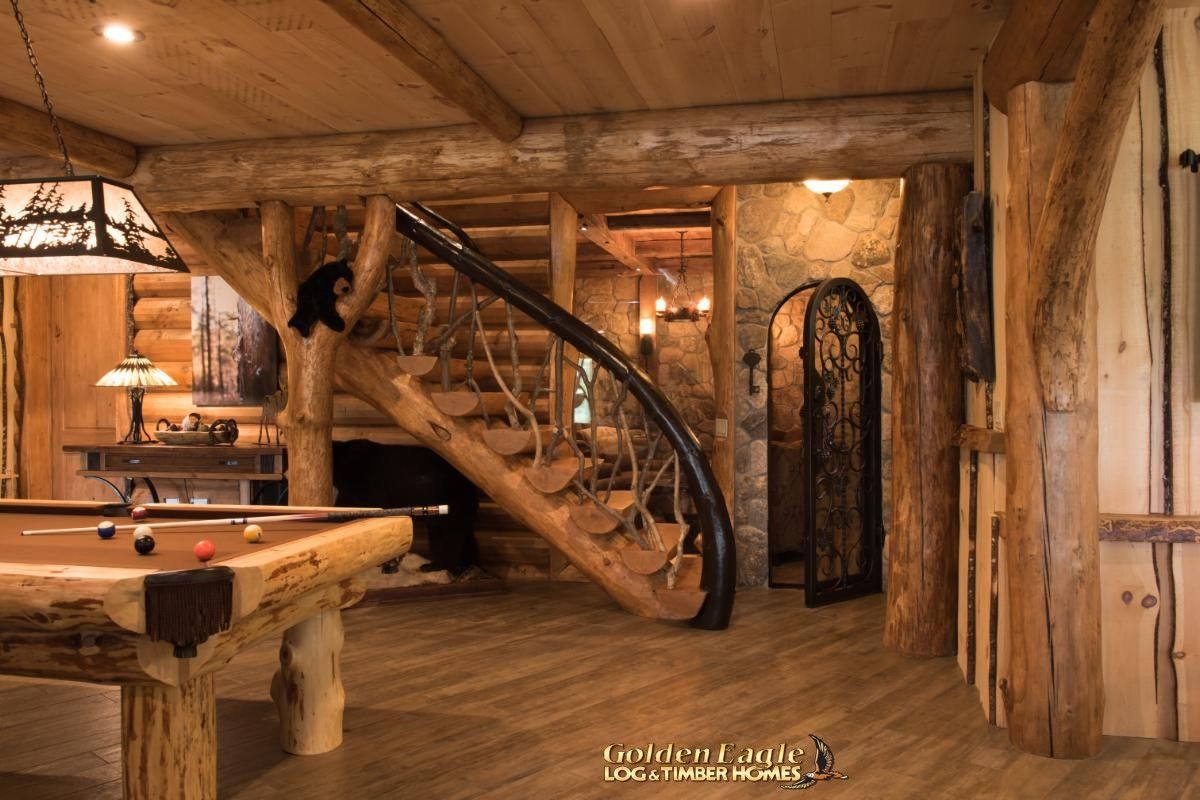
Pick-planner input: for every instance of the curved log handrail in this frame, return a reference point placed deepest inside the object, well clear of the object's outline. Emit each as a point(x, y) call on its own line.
point(719, 558)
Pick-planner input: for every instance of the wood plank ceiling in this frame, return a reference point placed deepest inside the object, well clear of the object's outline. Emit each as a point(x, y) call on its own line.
point(216, 70)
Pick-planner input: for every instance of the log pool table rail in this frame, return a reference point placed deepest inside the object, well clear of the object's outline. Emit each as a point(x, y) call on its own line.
point(88, 622)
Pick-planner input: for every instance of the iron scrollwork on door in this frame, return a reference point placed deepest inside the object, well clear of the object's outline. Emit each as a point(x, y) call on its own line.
point(844, 503)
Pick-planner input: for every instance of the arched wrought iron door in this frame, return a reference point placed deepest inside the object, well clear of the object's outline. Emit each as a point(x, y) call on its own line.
point(844, 503)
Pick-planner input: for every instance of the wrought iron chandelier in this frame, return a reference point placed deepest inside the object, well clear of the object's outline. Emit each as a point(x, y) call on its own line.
point(680, 306)
point(76, 225)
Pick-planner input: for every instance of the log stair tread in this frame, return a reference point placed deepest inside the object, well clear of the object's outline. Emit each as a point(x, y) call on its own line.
point(644, 562)
point(691, 569)
point(557, 475)
point(465, 403)
point(681, 603)
point(592, 519)
point(517, 441)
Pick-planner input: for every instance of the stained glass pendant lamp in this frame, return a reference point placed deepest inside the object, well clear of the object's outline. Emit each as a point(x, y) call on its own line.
point(136, 373)
point(76, 225)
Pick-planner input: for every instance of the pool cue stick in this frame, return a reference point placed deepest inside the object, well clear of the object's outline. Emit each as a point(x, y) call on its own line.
point(318, 516)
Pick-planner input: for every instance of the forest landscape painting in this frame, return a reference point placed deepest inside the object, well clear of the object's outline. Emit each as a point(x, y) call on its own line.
point(234, 350)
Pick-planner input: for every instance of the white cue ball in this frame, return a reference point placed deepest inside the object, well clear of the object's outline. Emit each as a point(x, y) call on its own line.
point(142, 530)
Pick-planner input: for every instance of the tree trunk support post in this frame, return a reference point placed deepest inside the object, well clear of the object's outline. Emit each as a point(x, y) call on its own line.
point(927, 398)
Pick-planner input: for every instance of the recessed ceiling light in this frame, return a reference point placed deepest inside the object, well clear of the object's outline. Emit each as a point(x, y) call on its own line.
point(121, 34)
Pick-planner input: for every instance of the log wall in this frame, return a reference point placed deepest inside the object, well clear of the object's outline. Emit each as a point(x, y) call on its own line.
point(1149, 459)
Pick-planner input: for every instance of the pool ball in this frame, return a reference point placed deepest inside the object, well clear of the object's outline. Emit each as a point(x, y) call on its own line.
point(142, 530)
point(138, 513)
point(144, 544)
point(252, 533)
point(106, 529)
point(204, 550)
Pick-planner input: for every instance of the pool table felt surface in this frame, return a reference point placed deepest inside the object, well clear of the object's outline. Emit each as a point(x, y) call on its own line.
point(173, 546)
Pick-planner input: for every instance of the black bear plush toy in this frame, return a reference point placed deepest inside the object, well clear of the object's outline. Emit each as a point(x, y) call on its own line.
point(316, 298)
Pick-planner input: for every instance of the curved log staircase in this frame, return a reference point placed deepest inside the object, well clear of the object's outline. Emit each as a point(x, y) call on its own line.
point(628, 498)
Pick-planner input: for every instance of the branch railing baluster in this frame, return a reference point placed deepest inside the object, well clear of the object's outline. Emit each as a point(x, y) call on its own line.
point(428, 288)
point(472, 384)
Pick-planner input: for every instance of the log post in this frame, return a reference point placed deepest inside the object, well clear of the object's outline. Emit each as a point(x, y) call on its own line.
point(927, 398)
point(307, 689)
point(564, 229)
point(1055, 697)
point(170, 736)
point(308, 417)
point(722, 336)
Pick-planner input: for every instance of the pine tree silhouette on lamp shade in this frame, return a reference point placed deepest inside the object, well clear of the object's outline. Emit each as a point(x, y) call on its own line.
point(136, 373)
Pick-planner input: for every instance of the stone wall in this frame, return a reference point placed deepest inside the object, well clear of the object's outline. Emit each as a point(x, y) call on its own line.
point(610, 304)
point(684, 368)
point(680, 364)
point(787, 235)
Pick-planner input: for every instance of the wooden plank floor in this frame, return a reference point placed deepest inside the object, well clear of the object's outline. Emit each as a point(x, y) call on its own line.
point(517, 695)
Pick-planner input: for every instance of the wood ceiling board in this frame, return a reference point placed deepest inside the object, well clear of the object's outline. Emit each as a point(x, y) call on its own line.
point(208, 71)
point(250, 69)
point(578, 56)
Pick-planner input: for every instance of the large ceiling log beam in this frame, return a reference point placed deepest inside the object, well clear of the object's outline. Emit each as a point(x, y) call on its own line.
point(1041, 40)
point(1120, 40)
point(26, 130)
point(396, 28)
point(862, 137)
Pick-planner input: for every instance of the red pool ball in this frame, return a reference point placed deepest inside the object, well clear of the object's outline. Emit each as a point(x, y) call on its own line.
point(204, 550)
point(138, 513)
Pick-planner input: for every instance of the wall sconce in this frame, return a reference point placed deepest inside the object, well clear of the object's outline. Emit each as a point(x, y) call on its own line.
point(751, 359)
point(646, 328)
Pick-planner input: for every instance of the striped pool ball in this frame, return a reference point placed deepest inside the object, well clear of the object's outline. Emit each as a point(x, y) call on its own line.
point(138, 513)
point(144, 544)
point(106, 529)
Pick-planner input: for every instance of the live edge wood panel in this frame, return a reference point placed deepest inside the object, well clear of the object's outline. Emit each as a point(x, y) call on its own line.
point(1150, 608)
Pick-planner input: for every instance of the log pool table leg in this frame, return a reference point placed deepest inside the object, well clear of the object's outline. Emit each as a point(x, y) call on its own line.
point(307, 689)
point(169, 737)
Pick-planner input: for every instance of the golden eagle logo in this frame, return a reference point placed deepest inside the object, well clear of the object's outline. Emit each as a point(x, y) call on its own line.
point(825, 770)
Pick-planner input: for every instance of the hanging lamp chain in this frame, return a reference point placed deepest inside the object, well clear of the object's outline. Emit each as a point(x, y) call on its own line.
point(41, 82)
point(681, 286)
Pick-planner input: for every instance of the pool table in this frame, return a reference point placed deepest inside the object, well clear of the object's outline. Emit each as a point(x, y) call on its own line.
point(78, 607)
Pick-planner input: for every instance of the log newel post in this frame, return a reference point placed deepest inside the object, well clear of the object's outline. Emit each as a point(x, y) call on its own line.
point(1055, 697)
point(927, 398)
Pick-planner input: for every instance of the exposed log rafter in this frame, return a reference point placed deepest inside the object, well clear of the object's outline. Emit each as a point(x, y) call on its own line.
point(620, 246)
point(419, 47)
point(26, 130)
point(1041, 40)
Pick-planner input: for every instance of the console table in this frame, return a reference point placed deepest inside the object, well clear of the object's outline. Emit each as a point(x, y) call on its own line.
point(245, 464)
